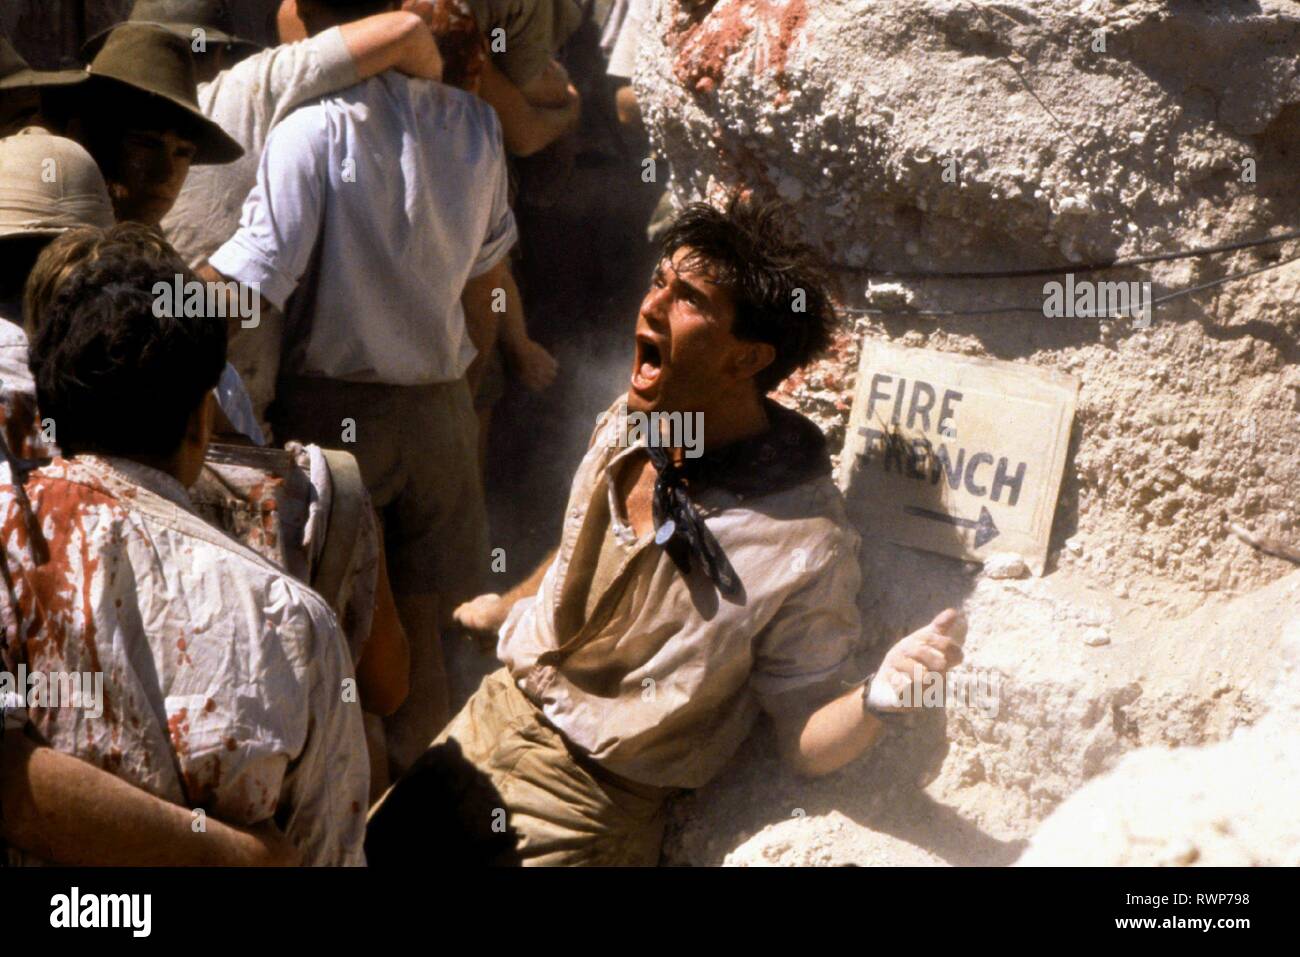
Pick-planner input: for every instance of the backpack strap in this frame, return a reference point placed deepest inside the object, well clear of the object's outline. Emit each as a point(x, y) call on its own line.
point(348, 503)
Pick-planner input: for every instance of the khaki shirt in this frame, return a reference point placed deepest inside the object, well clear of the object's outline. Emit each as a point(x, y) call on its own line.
point(222, 677)
point(666, 678)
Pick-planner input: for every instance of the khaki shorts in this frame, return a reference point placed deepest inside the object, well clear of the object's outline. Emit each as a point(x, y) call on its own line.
point(500, 786)
point(417, 447)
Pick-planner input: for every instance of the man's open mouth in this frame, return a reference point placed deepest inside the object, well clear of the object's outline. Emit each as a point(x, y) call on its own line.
point(647, 365)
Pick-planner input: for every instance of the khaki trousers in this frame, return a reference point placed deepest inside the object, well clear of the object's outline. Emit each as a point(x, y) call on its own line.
point(417, 447)
point(559, 808)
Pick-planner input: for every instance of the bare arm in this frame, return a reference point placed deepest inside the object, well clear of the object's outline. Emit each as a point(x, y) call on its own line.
point(534, 366)
point(830, 738)
point(841, 730)
point(482, 322)
point(65, 810)
point(486, 614)
point(526, 127)
point(400, 41)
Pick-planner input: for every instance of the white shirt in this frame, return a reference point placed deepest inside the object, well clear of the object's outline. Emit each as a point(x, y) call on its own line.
point(404, 183)
point(247, 101)
point(223, 677)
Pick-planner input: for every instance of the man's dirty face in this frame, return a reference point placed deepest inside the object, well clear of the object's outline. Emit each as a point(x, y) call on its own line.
point(150, 170)
point(683, 338)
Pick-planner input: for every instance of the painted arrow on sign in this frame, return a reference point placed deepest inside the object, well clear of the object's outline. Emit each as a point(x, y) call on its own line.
point(985, 530)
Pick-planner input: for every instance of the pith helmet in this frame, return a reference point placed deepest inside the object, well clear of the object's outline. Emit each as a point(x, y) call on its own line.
point(49, 184)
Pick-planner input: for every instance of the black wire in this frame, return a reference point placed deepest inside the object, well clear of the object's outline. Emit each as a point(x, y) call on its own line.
point(1094, 267)
point(1038, 310)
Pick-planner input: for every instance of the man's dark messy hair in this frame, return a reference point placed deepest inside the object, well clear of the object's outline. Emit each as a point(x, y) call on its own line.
point(750, 249)
point(116, 378)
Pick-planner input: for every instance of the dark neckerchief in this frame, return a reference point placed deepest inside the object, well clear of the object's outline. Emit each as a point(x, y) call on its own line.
point(791, 451)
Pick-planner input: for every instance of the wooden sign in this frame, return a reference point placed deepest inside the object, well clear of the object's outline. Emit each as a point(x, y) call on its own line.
point(957, 455)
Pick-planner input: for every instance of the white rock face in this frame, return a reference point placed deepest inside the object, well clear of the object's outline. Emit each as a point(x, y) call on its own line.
point(1231, 804)
point(938, 136)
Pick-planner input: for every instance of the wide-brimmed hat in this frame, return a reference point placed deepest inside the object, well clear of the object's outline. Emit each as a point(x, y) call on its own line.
point(181, 17)
point(49, 184)
point(16, 74)
point(150, 59)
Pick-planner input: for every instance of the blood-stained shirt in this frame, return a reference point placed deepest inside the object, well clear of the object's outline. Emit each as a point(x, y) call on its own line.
point(225, 681)
point(278, 502)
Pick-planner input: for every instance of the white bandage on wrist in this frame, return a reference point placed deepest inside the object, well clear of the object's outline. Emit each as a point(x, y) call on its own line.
point(882, 697)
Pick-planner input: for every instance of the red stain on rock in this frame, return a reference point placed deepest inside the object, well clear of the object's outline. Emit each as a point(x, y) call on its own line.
point(790, 23)
point(703, 48)
point(705, 45)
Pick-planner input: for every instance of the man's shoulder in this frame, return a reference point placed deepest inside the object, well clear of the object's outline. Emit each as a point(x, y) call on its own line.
point(126, 512)
point(807, 520)
point(442, 103)
point(409, 101)
point(231, 559)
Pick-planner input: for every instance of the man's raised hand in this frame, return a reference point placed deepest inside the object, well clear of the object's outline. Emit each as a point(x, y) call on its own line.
point(483, 615)
point(934, 648)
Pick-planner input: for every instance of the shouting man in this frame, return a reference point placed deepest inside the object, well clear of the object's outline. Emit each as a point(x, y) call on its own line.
point(690, 590)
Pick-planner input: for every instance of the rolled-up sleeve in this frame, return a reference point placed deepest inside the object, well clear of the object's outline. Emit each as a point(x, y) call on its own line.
point(298, 72)
point(804, 657)
point(282, 215)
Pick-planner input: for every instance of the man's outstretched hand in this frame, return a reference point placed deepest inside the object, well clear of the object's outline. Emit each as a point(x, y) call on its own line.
point(482, 616)
point(936, 648)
